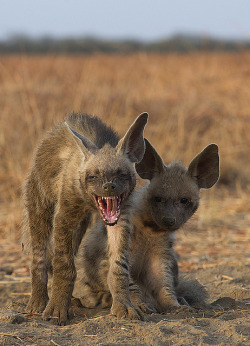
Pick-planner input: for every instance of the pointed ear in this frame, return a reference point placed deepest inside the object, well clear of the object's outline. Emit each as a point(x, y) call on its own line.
point(85, 144)
point(204, 168)
point(151, 164)
point(132, 144)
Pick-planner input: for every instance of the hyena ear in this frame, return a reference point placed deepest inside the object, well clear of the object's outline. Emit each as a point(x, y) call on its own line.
point(85, 144)
point(132, 144)
point(151, 164)
point(204, 168)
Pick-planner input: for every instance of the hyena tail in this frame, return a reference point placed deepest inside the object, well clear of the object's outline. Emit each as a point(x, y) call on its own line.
point(193, 292)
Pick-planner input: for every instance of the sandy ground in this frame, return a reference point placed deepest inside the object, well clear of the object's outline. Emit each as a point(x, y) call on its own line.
point(217, 256)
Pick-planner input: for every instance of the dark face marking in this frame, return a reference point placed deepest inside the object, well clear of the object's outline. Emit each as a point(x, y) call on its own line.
point(169, 213)
point(172, 199)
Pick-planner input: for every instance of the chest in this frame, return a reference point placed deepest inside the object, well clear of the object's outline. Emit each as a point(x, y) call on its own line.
point(149, 251)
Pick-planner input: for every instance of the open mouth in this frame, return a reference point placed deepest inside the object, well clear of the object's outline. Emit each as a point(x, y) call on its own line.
point(109, 208)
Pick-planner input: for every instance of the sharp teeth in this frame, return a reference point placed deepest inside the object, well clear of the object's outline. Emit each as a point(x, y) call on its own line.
point(110, 206)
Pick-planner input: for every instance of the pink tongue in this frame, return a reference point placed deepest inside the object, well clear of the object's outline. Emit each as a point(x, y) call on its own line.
point(111, 206)
point(108, 207)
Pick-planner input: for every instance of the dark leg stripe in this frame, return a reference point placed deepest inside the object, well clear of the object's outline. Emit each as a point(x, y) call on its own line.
point(120, 275)
point(122, 264)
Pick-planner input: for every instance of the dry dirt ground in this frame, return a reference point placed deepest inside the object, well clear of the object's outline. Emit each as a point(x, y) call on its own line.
point(217, 255)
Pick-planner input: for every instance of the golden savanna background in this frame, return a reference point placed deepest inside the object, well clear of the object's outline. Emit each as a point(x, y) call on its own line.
point(193, 99)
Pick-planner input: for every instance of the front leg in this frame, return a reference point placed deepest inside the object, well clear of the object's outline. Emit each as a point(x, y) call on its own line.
point(64, 272)
point(118, 275)
point(137, 300)
point(162, 281)
point(166, 298)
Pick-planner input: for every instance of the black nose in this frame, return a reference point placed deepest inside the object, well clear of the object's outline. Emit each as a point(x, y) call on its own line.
point(169, 221)
point(108, 187)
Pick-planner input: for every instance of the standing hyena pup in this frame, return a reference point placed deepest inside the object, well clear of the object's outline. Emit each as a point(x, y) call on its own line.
point(160, 208)
point(80, 168)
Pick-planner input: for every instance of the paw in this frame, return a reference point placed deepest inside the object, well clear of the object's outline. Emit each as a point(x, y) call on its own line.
point(185, 308)
point(144, 307)
point(137, 301)
point(173, 307)
point(59, 311)
point(169, 305)
point(126, 310)
point(147, 308)
point(37, 304)
point(89, 302)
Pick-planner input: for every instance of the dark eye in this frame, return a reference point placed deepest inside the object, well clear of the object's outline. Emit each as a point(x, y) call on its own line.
point(92, 177)
point(123, 175)
point(158, 199)
point(185, 201)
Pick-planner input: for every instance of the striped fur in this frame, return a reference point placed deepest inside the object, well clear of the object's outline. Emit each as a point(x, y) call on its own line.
point(81, 169)
point(160, 208)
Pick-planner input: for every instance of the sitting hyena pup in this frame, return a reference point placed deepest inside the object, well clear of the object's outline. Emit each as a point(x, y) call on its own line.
point(160, 208)
point(80, 168)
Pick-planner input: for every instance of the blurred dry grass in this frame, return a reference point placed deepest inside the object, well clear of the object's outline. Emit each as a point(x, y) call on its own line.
point(193, 100)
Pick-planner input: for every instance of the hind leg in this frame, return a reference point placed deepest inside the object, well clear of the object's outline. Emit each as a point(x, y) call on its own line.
point(40, 228)
point(66, 220)
point(93, 278)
